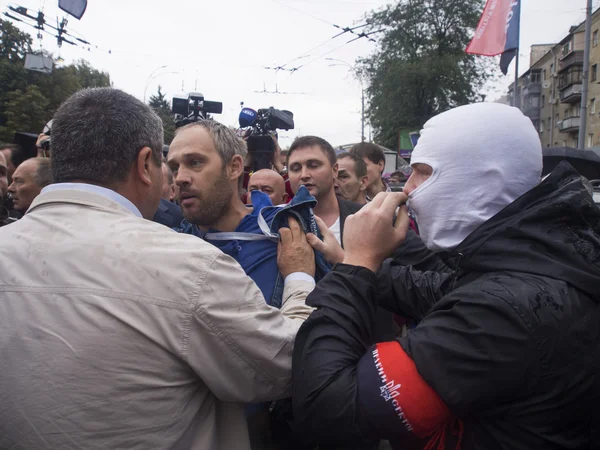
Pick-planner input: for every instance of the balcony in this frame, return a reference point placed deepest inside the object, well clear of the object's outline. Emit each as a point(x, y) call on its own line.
point(571, 93)
point(532, 89)
point(568, 125)
point(532, 112)
point(574, 58)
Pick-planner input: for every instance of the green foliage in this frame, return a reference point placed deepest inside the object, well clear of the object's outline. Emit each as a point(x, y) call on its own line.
point(420, 68)
point(42, 93)
point(24, 110)
point(159, 103)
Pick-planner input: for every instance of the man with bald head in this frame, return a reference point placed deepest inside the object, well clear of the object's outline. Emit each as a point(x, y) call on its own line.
point(28, 180)
point(271, 183)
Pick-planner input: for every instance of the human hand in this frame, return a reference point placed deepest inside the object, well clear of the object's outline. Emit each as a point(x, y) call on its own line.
point(41, 140)
point(329, 246)
point(276, 156)
point(294, 253)
point(370, 235)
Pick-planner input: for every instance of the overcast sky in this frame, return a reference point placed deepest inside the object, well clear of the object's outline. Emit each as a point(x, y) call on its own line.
point(220, 48)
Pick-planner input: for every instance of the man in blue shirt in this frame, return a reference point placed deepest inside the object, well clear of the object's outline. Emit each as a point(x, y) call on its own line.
point(207, 161)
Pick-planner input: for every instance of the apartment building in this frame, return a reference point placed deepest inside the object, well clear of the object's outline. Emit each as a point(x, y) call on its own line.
point(550, 90)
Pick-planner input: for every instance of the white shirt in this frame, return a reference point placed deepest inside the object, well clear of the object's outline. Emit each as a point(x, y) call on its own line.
point(335, 229)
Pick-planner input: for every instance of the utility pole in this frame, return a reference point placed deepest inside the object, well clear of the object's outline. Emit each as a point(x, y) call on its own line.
point(585, 76)
point(358, 75)
point(362, 124)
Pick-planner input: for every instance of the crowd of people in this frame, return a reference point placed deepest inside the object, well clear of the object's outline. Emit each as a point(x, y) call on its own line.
point(157, 297)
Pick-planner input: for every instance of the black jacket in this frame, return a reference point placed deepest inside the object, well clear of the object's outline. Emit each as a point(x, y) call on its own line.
point(347, 208)
point(512, 347)
point(168, 214)
point(384, 320)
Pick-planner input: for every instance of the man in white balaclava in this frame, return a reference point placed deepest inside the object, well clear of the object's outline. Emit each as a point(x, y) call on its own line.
point(506, 352)
point(481, 158)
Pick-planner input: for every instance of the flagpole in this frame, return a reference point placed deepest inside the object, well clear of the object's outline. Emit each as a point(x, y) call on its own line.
point(585, 77)
point(517, 102)
point(517, 98)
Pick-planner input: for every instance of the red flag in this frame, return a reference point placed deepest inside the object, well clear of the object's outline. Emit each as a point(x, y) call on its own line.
point(498, 31)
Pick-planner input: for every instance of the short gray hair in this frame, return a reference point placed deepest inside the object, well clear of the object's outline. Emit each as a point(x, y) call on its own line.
point(98, 133)
point(43, 174)
point(227, 142)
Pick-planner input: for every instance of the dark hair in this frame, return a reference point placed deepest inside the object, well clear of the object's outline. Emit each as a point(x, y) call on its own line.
point(98, 133)
point(43, 174)
point(312, 141)
point(17, 155)
point(398, 175)
point(367, 150)
point(169, 173)
point(360, 167)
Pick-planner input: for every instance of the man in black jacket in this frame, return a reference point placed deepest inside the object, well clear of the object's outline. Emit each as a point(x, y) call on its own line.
point(507, 351)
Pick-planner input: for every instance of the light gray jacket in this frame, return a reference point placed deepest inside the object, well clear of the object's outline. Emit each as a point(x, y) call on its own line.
point(118, 333)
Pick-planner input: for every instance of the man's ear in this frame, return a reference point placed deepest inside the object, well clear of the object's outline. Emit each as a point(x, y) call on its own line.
point(381, 165)
point(364, 183)
point(236, 167)
point(284, 199)
point(335, 170)
point(144, 164)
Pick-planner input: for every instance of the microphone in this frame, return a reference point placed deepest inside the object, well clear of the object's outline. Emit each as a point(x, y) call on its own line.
point(247, 117)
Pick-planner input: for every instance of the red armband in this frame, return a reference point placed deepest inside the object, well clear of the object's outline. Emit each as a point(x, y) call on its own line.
point(394, 398)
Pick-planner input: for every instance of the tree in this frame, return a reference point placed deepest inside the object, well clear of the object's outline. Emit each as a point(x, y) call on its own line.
point(24, 111)
point(54, 87)
point(420, 68)
point(14, 44)
point(159, 103)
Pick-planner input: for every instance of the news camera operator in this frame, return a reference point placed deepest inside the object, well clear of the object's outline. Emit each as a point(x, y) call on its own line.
point(259, 130)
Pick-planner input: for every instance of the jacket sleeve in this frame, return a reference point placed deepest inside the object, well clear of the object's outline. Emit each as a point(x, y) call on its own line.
point(412, 281)
point(238, 345)
point(347, 391)
point(328, 348)
point(474, 349)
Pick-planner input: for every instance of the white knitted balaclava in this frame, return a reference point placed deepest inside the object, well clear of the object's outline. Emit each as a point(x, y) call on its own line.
point(484, 156)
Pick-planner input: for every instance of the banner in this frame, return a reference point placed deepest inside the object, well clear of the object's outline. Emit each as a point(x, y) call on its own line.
point(74, 7)
point(498, 31)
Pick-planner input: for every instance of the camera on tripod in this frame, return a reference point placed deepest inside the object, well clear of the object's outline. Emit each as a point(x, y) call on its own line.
point(193, 108)
point(260, 127)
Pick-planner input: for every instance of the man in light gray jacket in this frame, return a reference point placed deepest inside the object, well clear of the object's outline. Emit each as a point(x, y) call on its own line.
point(116, 332)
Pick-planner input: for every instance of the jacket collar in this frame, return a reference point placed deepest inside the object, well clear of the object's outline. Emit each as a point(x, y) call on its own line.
point(84, 194)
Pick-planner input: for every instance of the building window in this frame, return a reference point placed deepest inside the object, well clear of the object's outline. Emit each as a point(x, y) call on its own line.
point(535, 77)
point(590, 140)
point(543, 100)
point(594, 72)
point(549, 123)
point(593, 106)
point(544, 74)
point(595, 38)
point(541, 126)
point(557, 120)
point(567, 48)
point(551, 68)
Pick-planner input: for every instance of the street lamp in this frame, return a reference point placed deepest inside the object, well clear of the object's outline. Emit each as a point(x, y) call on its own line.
point(150, 79)
point(362, 89)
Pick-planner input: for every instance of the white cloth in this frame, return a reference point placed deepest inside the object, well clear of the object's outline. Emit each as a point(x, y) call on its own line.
point(335, 229)
point(484, 156)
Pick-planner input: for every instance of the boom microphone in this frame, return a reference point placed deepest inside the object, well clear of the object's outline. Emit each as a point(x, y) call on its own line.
point(247, 117)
